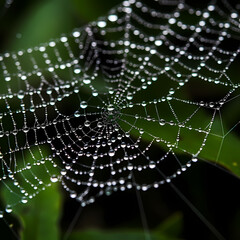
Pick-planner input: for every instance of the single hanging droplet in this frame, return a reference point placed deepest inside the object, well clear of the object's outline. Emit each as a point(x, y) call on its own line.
point(111, 153)
point(20, 94)
point(63, 172)
point(110, 108)
point(86, 81)
point(24, 200)
point(54, 178)
point(112, 18)
point(152, 164)
point(87, 124)
point(77, 70)
point(158, 42)
point(102, 24)
point(8, 209)
point(83, 104)
point(1, 214)
point(77, 114)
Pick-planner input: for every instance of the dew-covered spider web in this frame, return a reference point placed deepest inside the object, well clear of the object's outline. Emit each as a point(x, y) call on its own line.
point(127, 102)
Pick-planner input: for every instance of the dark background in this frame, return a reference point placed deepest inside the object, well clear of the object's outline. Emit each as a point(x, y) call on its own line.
point(212, 190)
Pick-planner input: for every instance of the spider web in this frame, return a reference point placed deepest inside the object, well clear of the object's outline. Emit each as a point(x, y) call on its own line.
point(109, 107)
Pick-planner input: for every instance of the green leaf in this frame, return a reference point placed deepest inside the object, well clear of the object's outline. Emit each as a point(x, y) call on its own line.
point(170, 229)
point(172, 226)
point(47, 19)
point(39, 218)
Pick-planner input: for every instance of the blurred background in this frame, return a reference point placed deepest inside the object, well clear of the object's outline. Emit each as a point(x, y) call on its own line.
point(155, 214)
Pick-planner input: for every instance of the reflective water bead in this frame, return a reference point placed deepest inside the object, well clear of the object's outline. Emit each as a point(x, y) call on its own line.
point(76, 34)
point(112, 18)
point(54, 178)
point(77, 70)
point(102, 24)
point(152, 164)
point(194, 159)
point(172, 20)
point(63, 172)
point(110, 108)
point(24, 200)
point(83, 104)
point(162, 122)
point(111, 153)
point(20, 94)
point(95, 93)
point(8, 209)
point(77, 114)
point(158, 42)
point(87, 123)
point(86, 81)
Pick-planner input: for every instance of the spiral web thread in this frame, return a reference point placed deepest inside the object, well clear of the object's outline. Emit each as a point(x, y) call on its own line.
point(109, 107)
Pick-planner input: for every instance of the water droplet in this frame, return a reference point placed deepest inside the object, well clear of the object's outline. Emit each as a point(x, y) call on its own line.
point(152, 164)
point(20, 94)
point(130, 167)
point(87, 123)
point(102, 24)
point(86, 81)
point(54, 178)
point(162, 122)
point(24, 200)
point(77, 114)
point(111, 153)
point(129, 96)
point(158, 42)
point(7, 79)
point(95, 93)
point(99, 124)
point(73, 195)
point(194, 159)
point(110, 108)
point(77, 70)
point(172, 20)
point(63, 172)
point(8, 209)
point(1, 214)
point(112, 18)
point(76, 34)
point(83, 104)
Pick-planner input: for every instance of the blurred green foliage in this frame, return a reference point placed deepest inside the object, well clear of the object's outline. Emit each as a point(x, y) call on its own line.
point(40, 219)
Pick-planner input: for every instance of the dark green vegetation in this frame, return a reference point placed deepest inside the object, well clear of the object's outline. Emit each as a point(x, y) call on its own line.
point(214, 192)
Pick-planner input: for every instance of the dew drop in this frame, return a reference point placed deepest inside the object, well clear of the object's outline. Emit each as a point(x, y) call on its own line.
point(54, 178)
point(110, 108)
point(162, 122)
point(130, 167)
point(194, 159)
point(8, 209)
point(86, 81)
point(111, 153)
point(24, 200)
point(112, 18)
point(73, 195)
point(83, 104)
point(63, 172)
point(87, 123)
point(77, 70)
point(102, 24)
point(152, 164)
point(158, 42)
point(20, 94)
point(77, 114)
point(76, 34)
